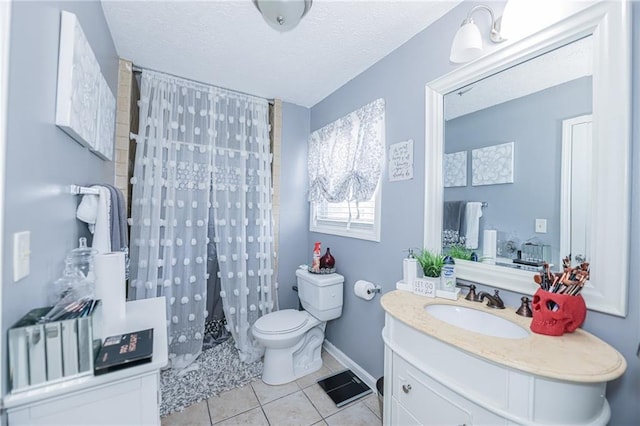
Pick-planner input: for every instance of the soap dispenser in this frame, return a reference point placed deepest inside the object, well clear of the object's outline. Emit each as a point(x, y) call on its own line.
point(409, 272)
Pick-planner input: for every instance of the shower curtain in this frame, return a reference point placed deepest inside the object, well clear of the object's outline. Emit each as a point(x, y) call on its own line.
point(202, 155)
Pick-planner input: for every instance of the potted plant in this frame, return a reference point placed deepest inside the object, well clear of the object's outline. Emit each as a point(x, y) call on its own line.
point(459, 252)
point(431, 264)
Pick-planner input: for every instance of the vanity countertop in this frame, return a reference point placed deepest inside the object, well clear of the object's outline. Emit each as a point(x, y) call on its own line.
point(578, 356)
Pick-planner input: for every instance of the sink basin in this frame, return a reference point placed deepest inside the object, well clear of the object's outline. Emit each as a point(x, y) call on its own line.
point(477, 321)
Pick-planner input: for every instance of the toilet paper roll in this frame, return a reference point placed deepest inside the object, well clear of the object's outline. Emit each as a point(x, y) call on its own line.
point(364, 289)
point(110, 289)
point(489, 241)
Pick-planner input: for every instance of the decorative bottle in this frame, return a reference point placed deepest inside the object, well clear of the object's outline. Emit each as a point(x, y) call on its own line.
point(327, 261)
point(315, 262)
point(448, 276)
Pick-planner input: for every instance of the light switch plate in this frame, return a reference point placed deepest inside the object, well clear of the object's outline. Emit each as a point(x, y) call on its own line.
point(541, 226)
point(21, 254)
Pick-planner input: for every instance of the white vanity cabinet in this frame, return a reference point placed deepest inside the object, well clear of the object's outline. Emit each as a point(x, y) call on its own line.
point(126, 397)
point(440, 374)
point(417, 399)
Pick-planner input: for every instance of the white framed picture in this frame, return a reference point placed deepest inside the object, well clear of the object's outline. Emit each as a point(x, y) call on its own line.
point(455, 169)
point(85, 106)
point(492, 165)
point(106, 125)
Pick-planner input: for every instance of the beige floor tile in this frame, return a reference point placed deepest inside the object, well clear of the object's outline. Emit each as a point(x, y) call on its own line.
point(294, 409)
point(321, 400)
point(310, 379)
point(330, 362)
point(231, 403)
point(371, 402)
point(254, 417)
point(267, 393)
point(196, 414)
point(355, 415)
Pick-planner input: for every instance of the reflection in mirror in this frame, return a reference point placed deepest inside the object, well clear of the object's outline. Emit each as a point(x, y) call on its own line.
point(504, 146)
point(607, 25)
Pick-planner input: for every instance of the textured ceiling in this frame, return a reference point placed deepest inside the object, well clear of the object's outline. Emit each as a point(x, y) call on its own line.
point(559, 66)
point(226, 43)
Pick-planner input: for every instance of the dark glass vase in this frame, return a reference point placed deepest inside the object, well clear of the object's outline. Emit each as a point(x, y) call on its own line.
point(327, 261)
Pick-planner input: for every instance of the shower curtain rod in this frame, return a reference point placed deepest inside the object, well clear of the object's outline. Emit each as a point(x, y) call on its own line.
point(136, 68)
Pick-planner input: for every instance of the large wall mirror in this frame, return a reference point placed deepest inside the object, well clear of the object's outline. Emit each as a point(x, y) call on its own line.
point(532, 144)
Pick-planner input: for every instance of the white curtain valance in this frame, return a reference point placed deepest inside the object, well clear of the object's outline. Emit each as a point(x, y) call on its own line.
point(346, 157)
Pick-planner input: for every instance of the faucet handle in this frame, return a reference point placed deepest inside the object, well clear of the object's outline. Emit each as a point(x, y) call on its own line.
point(472, 296)
point(496, 294)
point(524, 310)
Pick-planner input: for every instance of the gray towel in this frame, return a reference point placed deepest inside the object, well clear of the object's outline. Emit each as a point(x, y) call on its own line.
point(453, 215)
point(114, 219)
point(121, 225)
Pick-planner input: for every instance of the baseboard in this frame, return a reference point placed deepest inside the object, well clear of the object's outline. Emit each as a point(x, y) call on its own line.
point(340, 356)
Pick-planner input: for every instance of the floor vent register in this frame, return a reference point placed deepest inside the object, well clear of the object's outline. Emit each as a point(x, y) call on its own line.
point(344, 387)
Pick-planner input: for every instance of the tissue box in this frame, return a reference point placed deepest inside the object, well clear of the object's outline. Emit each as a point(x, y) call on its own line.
point(43, 353)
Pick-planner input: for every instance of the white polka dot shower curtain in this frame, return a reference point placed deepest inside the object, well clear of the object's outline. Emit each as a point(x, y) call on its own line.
point(202, 152)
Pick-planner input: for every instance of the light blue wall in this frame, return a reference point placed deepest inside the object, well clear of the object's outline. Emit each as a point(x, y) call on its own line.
point(41, 160)
point(294, 208)
point(400, 79)
point(534, 124)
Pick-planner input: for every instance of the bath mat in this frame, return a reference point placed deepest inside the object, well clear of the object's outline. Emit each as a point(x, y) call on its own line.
point(218, 369)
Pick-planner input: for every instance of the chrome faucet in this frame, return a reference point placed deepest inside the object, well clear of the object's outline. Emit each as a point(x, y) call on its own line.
point(493, 301)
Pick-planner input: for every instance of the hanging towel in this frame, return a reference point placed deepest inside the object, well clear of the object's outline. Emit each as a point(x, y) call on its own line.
point(472, 220)
point(453, 216)
point(88, 210)
point(114, 219)
point(119, 226)
point(97, 216)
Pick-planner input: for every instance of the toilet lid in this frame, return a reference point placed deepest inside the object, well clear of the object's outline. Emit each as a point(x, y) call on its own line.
point(284, 321)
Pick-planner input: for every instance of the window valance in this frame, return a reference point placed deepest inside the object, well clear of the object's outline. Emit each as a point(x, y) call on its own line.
point(346, 157)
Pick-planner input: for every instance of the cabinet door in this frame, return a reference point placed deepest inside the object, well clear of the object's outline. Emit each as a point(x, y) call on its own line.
point(128, 402)
point(426, 405)
point(431, 403)
point(400, 415)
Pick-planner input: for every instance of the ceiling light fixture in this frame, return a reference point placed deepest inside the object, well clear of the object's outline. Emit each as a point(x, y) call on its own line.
point(467, 43)
point(283, 15)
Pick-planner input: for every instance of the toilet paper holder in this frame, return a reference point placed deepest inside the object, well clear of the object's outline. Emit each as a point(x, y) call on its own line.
point(376, 289)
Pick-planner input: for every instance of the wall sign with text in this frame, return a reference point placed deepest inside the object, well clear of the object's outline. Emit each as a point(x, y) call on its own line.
point(401, 161)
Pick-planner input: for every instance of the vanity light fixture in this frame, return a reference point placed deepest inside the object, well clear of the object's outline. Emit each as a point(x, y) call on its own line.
point(467, 43)
point(283, 15)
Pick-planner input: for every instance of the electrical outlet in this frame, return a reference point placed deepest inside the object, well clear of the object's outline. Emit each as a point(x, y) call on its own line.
point(541, 226)
point(21, 254)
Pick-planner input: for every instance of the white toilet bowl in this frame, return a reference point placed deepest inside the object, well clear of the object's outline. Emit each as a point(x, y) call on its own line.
point(293, 343)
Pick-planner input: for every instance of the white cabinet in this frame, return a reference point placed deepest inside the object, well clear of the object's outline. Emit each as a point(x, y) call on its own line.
point(126, 397)
point(429, 382)
point(126, 402)
point(430, 403)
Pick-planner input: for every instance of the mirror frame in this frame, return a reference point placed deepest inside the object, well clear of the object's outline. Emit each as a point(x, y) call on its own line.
point(610, 24)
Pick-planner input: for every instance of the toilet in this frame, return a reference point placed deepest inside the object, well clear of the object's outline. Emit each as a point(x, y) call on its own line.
point(293, 339)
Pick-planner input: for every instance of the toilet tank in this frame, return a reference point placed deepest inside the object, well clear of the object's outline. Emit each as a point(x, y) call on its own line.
point(320, 294)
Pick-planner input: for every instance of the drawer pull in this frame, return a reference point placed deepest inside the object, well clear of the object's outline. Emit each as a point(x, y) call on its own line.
point(406, 388)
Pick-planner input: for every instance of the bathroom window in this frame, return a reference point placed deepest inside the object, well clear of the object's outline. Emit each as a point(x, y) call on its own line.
point(356, 219)
point(345, 163)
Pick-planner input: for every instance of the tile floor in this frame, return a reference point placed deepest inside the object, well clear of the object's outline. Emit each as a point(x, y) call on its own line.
point(302, 402)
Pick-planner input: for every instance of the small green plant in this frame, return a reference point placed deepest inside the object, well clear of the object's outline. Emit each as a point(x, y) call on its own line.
point(431, 263)
point(459, 252)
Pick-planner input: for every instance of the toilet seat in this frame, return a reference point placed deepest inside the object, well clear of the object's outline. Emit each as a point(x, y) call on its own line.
point(280, 322)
